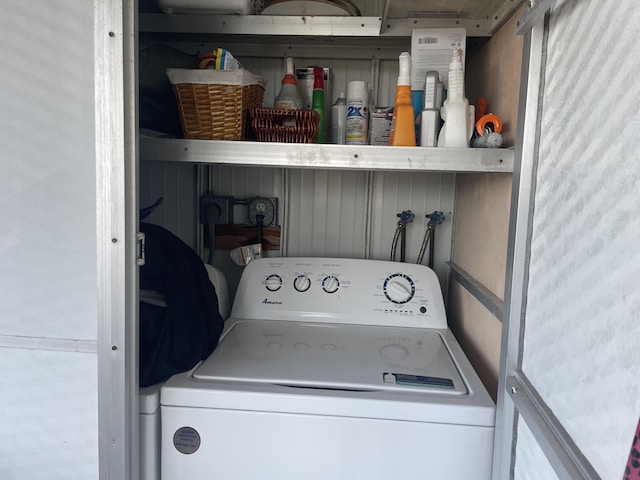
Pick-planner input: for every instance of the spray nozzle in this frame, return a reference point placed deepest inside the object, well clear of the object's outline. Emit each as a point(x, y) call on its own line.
point(289, 77)
point(317, 77)
point(288, 65)
point(456, 59)
point(404, 76)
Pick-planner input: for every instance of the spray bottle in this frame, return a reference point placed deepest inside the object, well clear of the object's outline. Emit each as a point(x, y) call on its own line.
point(456, 112)
point(403, 128)
point(317, 102)
point(288, 98)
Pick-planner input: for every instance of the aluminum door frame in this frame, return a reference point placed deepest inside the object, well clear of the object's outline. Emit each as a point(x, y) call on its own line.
point(517, 397)
point(115, 74)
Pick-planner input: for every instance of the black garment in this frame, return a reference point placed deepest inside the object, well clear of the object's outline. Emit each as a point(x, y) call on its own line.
point(176, 337)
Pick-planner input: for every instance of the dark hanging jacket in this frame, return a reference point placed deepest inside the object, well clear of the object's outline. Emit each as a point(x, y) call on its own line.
point(175, 338)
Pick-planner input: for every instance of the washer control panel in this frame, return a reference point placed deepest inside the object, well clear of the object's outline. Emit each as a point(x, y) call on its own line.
point(340, 291)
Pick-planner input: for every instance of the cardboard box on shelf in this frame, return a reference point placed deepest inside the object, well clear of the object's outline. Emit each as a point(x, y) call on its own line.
point(432, 49)
point(380, 125)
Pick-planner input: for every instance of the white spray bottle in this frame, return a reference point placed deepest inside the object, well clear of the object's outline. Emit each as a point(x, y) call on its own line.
point(458, 115)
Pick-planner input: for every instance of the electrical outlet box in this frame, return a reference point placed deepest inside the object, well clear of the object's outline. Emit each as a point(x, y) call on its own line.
point(215, 208)
point(265, 206)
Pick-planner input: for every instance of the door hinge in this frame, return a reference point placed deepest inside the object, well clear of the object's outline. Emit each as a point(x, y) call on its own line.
point(140, 249)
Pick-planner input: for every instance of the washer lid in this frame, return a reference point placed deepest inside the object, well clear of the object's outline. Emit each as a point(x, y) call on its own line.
point(334, 356)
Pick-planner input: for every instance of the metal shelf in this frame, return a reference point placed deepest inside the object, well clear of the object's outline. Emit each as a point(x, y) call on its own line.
point(343, 157)
point(260, 25)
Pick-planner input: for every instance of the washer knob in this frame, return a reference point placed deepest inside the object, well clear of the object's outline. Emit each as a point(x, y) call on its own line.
point(302, 283)
point(273, 282)
point(330, 284)
point(399, 288)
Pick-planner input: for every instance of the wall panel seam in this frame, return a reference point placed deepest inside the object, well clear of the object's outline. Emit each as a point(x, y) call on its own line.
point(45, 343)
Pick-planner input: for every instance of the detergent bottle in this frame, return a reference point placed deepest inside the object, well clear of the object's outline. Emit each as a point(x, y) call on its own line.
point(403, 127)
point(458, 115)
point(288, 98)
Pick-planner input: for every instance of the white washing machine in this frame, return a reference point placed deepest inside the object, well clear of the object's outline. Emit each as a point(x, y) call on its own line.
point(149, 397)
point(330, 369)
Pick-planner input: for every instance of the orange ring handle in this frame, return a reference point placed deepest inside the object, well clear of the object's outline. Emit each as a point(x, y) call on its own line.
point(486, 119)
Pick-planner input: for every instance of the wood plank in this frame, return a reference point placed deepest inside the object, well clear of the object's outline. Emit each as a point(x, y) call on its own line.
point(229, 237)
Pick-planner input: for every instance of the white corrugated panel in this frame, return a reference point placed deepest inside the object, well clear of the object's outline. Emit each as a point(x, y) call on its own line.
point(243, 183)
point(531, 462)
point(47, 179)
point(49, 415)
point(422, 193)
point(326, 213)
point(176, 183)
point(581, 339)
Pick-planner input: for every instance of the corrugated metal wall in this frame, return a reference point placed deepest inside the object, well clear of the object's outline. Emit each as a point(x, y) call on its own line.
point(177, 184)
point(345, 214)
point(581, 336)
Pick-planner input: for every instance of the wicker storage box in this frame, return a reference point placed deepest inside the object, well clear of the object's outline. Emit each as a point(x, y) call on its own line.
point(214, 104)
point(287, 126)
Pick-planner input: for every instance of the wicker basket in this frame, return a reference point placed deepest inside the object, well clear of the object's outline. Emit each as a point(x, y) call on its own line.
point(287, 126)
point(214, 104)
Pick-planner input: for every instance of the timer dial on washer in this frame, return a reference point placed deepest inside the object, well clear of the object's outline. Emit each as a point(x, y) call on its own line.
point(330, 284)
point(273, 282)
point(399, 288)
point(302, 283)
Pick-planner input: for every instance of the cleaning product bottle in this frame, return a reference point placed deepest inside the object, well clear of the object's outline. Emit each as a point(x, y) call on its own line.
point(458, 115)
point(339, 120)
point(430, 117)
point(403, 128)
point(317, 102)
point(357, 113)
point(288, 98)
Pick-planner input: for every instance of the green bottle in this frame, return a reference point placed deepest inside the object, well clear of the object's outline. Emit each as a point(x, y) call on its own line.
point(317, 102)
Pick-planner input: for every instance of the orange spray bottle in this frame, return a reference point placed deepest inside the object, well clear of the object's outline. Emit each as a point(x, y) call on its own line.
point(403, 128)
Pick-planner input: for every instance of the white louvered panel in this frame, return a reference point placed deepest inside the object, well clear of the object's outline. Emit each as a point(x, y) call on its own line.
point(580, 348)
point(326, 213)
point(176, 183)
point(531, 462)
point(48, 413)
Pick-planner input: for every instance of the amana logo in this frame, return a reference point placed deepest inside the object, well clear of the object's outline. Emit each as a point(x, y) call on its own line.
point(266, 301)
